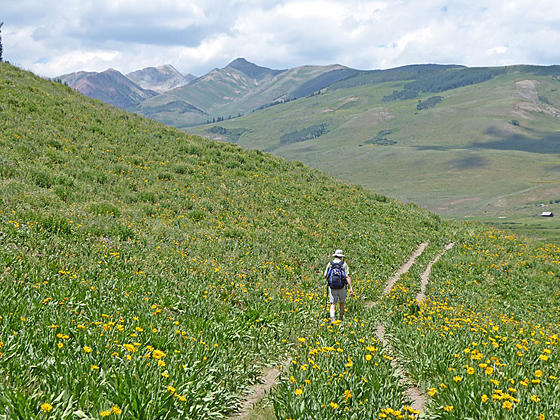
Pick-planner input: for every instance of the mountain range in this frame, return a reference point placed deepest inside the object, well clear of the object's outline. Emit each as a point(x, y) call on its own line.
point(126, 91)
point(164, 94)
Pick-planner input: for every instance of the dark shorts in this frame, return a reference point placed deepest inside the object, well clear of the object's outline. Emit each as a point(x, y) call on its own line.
point(337, 295)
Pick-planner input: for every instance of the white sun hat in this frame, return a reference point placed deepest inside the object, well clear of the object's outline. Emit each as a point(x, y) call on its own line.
point(338, 253)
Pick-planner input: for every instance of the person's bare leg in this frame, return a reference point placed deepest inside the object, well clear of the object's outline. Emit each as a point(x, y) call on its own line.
point(333, 310)
point(341, 315)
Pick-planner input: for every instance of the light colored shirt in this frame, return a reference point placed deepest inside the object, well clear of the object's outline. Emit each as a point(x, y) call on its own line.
point(344, 267)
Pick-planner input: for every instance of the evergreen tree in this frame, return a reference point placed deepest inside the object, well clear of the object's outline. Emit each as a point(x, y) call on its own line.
point(1, 23)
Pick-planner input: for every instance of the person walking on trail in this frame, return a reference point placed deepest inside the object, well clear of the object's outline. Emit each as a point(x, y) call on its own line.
point(338, 283)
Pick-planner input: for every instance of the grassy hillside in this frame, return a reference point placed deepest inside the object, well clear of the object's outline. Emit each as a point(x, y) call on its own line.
point(487, 149)
point(485, 343)
point(146, 273)
point(155, 273)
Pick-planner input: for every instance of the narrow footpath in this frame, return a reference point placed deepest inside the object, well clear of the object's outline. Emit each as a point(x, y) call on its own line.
point(259, 391)
point(415, 394)
point(404, 268)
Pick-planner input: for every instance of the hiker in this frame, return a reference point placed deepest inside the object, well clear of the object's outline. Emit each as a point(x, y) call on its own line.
point(338, 280)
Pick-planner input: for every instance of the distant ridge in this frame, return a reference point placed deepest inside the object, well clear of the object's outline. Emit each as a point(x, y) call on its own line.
point(160, 79)
point(252, 70)
point(109, 86)
point(242, 87)
point(239, 88)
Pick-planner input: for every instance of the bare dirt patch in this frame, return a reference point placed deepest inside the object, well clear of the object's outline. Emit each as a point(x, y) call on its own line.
point(528, 93)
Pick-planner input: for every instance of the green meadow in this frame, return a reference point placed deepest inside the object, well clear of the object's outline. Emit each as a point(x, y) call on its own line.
point(146, 273)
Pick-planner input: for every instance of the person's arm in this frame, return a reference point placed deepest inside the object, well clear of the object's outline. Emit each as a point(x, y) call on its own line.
point(348, 279)
point(326, 270)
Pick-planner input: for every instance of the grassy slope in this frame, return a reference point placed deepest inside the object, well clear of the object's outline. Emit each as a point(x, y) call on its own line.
point(117, 230)
point(435, 162)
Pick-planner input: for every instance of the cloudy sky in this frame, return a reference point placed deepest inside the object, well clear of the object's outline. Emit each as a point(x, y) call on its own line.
point(62, 36)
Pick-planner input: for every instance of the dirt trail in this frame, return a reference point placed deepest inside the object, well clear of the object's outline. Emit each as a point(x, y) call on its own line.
point(404, 268)
point(270, 376)
point(258, 391)
point(415, 394)
point(426, 274)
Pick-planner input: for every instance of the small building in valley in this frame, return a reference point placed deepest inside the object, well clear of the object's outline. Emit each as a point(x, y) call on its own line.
point(547, 214)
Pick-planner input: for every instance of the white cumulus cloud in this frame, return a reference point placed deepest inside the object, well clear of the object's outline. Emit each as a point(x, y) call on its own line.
point(199, 35)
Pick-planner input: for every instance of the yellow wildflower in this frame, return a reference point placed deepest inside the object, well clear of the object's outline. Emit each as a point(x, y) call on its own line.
point(158, 354)
point(130, 348)
point(46, 407)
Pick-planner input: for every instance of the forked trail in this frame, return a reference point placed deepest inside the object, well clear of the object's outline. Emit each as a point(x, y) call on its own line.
point(426, 274)
point(415, 394)
point(404, 268)
point(270, 376)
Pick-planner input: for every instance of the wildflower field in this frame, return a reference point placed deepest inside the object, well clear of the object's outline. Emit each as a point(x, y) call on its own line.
point(484, 343)
point(146, 273)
